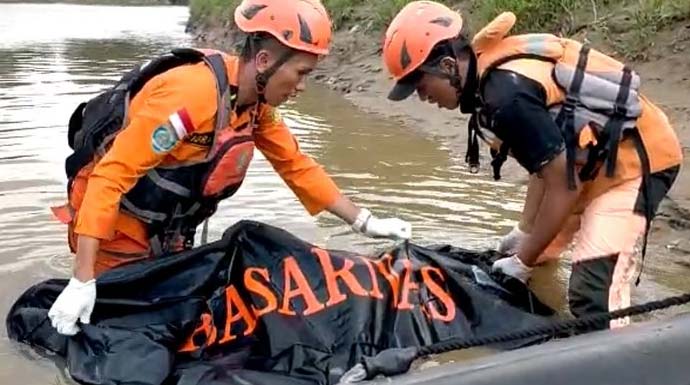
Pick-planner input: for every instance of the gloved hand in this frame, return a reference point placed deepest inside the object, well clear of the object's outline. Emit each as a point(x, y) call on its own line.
point(514, 267)
point(510, 243)
point(75, 302)
point(366, 223)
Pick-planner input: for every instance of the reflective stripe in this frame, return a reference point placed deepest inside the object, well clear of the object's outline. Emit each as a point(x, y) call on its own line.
point(145, 215)
point(168, 184)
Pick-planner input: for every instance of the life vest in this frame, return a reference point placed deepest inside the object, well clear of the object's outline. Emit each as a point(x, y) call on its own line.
point(171, 200)
point(600, 107)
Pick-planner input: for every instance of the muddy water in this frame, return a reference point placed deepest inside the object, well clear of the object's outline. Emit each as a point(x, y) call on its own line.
point(78, 50)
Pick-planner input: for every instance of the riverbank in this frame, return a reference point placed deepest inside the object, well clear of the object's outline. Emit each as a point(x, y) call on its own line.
point(654, 39)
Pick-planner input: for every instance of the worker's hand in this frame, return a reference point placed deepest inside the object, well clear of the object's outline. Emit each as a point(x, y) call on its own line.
point(366, 223)
point(514, 267)
point(510, 243)
point(75, 302)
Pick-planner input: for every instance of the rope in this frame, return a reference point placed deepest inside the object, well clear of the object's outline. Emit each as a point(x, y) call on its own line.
point(580, 325)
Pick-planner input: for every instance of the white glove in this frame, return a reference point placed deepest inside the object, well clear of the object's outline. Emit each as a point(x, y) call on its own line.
point(514, 267)
point(75, 302)
point(510, 243)
point(373, 227)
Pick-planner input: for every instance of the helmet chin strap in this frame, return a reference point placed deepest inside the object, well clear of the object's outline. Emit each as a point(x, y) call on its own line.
point(262, 78)
point(468, 95)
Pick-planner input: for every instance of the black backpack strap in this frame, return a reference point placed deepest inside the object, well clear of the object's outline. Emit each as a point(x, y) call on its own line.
point(566, 117)
point(614, 127)
point(216, 62)
point(224, 100)
point(188, 54)
point(646, 191)
point(163, 63)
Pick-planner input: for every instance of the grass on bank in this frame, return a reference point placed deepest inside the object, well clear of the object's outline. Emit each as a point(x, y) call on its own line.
point(629, 25)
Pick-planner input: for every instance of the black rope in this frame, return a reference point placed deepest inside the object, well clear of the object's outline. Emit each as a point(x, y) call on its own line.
point(579, 325)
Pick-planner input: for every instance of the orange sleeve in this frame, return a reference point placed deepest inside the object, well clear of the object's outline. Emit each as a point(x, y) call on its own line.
point(186, 96)
point(307, 179)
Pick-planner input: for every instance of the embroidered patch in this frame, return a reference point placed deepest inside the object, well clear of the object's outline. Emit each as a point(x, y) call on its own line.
point(203, 140)
point(163, 139)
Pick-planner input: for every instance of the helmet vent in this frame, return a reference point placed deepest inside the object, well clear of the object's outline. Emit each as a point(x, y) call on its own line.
point(252, 10)
point(405, 59)
point(304, 31)
point(444, 21)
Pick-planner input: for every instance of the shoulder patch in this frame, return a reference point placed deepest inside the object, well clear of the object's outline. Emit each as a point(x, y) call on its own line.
point(178, 127)
point(163, 139)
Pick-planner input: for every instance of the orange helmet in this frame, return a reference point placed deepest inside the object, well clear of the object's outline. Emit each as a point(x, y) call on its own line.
point(303, 25)
point(411, 36)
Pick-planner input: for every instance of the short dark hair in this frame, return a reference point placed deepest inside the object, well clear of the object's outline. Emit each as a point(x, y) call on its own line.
point(458, 48)
point(256, 42)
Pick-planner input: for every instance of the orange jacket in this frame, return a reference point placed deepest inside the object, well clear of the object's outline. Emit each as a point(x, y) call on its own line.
point(98, 188)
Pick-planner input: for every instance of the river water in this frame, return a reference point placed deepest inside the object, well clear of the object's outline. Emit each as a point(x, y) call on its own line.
point(54, 56)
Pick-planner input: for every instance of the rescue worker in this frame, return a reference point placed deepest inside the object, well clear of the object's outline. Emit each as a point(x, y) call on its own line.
point(166, 170)
point(601, 156)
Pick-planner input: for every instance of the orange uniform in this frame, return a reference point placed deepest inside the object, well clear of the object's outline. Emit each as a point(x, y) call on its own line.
point(189, 92)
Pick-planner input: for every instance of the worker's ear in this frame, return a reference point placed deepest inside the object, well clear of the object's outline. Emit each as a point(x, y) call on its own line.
point(448, 65)
point(263, 60)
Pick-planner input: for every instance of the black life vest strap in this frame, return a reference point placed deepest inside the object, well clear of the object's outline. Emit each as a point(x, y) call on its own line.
point(646, 192)
point(614, 127)
point(566, 117)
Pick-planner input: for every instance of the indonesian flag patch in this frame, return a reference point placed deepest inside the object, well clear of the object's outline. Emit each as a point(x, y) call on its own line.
point(182, 123)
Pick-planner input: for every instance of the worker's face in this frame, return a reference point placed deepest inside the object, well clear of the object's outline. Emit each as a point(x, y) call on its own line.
point(289, 79)
point(436, 89)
